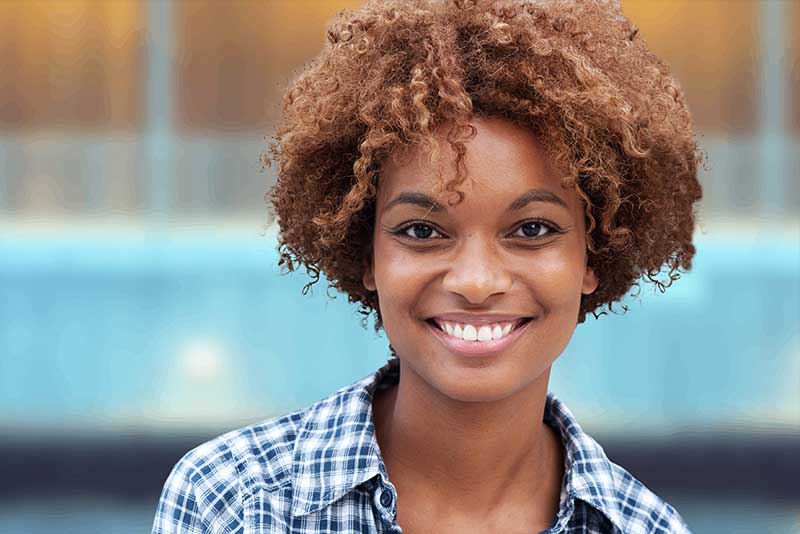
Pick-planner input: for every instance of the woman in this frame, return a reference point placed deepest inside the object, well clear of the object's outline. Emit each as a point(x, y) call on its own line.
point(480, 175)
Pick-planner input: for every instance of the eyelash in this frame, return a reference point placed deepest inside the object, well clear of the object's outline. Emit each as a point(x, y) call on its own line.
point(401, 230)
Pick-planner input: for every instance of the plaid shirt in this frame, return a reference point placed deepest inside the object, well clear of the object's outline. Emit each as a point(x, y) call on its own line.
point(320, 470)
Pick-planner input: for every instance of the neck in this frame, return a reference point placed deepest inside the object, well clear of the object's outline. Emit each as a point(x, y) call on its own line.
point(470, 456)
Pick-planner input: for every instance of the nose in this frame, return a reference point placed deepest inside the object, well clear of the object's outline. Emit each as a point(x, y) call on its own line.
point(477, 271)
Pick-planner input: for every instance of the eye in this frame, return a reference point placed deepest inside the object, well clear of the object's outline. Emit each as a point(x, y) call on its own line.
point(532, 229)
point(423, 232)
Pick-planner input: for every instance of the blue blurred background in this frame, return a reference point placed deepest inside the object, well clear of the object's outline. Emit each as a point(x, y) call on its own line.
point(142, 311)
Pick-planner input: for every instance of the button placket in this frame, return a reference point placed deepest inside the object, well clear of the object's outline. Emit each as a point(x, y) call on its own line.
point(384, 499)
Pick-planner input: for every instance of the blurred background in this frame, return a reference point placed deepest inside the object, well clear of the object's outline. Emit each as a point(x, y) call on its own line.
point(142, 311)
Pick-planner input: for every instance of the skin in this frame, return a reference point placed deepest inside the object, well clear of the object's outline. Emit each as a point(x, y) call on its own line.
point(463, 437)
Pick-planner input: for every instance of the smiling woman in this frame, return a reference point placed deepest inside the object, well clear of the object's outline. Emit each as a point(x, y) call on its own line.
point(513, 252)
point(481, 175)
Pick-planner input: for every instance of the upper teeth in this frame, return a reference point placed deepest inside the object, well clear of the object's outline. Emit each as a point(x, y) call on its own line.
point(484, 332)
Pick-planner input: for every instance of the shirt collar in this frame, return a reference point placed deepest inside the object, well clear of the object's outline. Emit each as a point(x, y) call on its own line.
point(588, 473)
point(336, 450)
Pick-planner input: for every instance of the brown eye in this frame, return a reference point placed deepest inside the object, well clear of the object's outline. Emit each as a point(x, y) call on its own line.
point(424, 231)
point(534, 229)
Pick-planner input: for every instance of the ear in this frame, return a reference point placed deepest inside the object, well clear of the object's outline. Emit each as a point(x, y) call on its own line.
point(590, 281)
point(368, 278)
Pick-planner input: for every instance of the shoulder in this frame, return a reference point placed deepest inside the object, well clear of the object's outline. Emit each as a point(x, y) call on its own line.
point(641, 511)
point(611, 492)
point(261, 473)
point(208, 487)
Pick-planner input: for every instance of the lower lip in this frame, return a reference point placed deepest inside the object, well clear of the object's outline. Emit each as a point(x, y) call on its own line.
point(478, 348)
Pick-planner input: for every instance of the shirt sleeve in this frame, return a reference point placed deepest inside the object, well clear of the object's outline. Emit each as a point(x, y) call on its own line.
point(178, 511)
point(203, 493)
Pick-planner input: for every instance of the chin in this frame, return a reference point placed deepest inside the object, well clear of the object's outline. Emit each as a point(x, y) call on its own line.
point(473, 396)
point(480, 388)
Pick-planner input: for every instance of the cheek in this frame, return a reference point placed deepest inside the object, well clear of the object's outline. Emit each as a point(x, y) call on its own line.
point(557, 276)
point(397, 271)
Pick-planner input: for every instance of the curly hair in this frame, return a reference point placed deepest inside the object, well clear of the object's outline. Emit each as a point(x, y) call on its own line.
point(577, 74)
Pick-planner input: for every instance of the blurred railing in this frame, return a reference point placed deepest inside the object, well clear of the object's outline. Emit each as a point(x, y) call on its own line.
point(50, 174)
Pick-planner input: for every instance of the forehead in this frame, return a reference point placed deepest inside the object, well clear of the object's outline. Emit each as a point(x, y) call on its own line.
point(501, 159)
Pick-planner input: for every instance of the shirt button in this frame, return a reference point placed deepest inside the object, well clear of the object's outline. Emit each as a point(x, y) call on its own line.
point(386, 498)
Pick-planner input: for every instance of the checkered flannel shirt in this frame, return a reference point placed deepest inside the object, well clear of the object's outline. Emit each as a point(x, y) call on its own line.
point(320, 470)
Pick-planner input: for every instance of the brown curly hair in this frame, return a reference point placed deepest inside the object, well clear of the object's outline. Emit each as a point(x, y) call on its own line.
point(576, 73)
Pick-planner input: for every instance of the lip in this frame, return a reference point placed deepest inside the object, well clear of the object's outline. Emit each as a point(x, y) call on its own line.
point(478, 348)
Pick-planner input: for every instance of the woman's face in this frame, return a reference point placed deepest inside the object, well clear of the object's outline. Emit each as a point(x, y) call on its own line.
point(515, 247)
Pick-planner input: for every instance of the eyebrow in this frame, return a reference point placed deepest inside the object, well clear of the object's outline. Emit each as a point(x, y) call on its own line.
point(421, 199)
point(417, 199)
point(537, 195)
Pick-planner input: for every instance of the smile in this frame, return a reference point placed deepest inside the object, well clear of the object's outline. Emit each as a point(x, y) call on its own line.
point(479, 340)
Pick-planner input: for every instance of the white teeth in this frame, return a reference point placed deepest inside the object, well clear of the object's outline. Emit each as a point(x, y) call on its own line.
point(457, 332)
point(470, 334)
point(485, 332)
point(497, 332)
